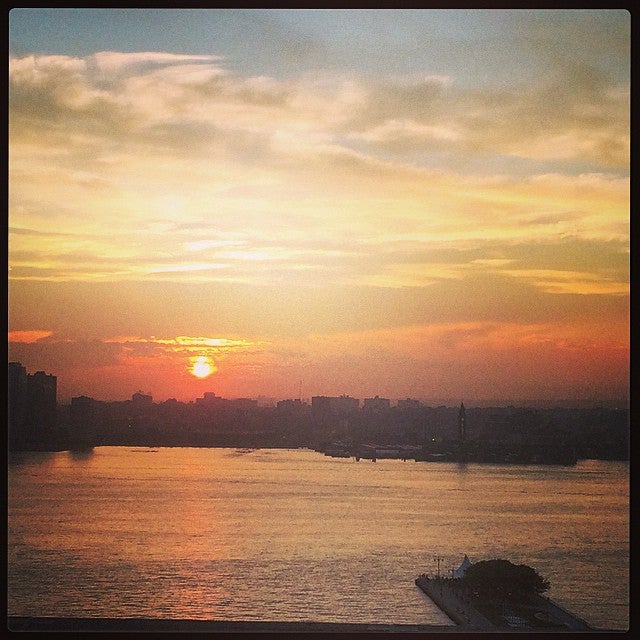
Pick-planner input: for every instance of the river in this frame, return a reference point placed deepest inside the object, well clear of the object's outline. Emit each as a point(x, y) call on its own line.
point(292, 535)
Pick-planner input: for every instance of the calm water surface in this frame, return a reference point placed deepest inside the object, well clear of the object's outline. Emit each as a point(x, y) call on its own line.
point(293, 535)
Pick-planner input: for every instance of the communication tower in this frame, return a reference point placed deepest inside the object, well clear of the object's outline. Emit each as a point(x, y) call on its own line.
point(462, 423)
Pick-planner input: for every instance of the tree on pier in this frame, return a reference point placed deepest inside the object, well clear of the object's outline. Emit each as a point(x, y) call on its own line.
point(503, 580)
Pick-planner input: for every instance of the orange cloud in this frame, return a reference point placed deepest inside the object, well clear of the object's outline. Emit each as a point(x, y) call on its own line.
point(28, 336)
point(183, 342)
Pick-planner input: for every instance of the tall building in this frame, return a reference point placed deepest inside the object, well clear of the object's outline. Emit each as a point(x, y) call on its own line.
point(32, 410)
point(83, 420)
point(17, 401)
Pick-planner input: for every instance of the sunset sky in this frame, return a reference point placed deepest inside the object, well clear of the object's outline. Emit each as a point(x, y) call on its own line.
point(409, 203)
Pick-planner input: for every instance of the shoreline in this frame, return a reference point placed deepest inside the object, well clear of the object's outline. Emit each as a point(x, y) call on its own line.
point(21, 624)
point(74, 625)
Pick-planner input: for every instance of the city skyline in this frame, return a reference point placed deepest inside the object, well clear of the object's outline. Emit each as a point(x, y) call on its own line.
point(308, 397)
point(404, 203)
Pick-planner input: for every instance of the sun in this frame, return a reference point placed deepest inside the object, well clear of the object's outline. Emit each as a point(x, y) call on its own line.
point(202, 367)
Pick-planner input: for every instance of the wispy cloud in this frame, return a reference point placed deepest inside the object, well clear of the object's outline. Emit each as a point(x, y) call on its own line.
point(120, 140)
point(448, 197)
point(183, 342)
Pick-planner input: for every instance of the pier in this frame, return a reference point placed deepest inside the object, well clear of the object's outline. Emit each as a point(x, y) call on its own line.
point(452, 601)
point(537, 613)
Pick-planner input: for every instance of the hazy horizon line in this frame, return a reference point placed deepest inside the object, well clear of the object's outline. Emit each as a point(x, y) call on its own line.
point(426, 402)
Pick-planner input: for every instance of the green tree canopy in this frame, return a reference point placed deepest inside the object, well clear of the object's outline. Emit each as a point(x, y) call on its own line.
point(503, 579)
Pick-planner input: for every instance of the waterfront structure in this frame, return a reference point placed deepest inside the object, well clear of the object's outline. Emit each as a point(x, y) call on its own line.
point(142, 399)
point(499, 434)
point(32, 400)
point(244, 404)
point(474, 610)
point(376, 404)
point(291, 405)
point(462, 423)
point(409, 403)
point(332, 404)
point(17, 398)
point(461, 570)
point(211, 401)
point(83, 418)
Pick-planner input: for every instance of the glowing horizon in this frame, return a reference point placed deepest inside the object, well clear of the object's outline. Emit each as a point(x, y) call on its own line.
point(449, 219)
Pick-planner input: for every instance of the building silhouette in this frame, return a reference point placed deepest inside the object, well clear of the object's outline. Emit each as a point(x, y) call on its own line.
point(334, 404)
point(409, 404)
point(140, 399)
point(32, 410)
point(376, 404)
point(462, 423)
point(84, 414)
point(555, 435)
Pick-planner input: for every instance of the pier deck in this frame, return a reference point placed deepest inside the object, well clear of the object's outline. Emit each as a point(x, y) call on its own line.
point(454, 604)
point(537, 614)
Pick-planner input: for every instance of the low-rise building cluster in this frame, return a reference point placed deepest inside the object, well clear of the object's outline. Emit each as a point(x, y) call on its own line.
point(336, 425)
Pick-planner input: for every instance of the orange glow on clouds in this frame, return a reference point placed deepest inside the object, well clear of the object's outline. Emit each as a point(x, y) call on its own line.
point(322, 227)
point(28, 336)
point(438, 360)
point(182, 341)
